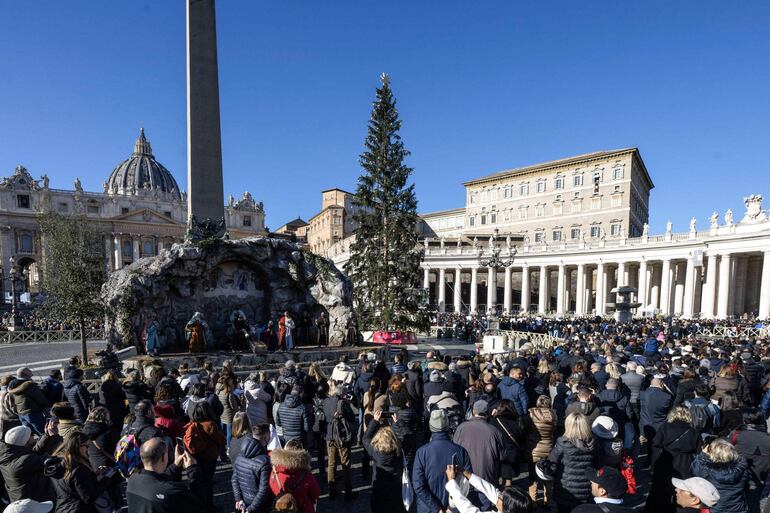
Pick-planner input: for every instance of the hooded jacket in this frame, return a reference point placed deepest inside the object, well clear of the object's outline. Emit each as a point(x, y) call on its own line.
point(292, 473)
point(589, 409)
point(79, 398)
point(293, 418)
point(730, 479)
point(27, 396)
point(251, 477)
point(256, 402)
point(167, 419)
point(571, 485)
point(136, 391)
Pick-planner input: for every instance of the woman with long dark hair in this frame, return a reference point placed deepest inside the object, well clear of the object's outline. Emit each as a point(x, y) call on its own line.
point(78, 489)
point(382, 446)
point(511, 428)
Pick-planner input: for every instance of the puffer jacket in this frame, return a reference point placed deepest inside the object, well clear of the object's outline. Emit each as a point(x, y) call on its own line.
point(386, 478)
point(515, 392)
point(136, 391)
point(292, 417)
point(292, 473)
point(251, 477)
point(230, 403)
point(571, 486)
point(112, 397)
point(79, 398)
point(22, 471)
point(730, 479)
point(27, 396)
point(540, 433)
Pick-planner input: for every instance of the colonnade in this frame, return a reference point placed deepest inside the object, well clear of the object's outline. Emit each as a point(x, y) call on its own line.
point(117, 258)
point(696, 284)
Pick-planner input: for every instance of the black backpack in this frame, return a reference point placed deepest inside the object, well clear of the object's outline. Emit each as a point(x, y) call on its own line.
point(319, 417)
point(342, 430)
point(700, 417)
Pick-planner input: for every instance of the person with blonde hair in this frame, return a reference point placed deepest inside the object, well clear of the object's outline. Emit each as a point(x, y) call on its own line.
point(573, 454)
point(721, 465)
point(673, 450)
point(384, 449)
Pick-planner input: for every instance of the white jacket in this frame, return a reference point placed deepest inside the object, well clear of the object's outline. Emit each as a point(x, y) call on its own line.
point(462, 503)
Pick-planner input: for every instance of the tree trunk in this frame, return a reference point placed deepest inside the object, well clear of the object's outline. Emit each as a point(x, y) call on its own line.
point(83, 348)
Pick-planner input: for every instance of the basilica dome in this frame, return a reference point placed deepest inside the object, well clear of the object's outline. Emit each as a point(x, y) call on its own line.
point(141, 174)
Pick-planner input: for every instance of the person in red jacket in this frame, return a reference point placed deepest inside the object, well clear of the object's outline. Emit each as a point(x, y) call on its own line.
point(167, 418)
point(292, 474)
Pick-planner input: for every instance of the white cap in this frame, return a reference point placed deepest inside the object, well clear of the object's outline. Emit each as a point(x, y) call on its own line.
point(605, 427)
point(17, 436)
point(699, 487)
point(29, 506)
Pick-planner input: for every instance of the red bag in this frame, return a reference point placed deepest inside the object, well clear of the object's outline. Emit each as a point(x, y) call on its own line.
point(627, 471)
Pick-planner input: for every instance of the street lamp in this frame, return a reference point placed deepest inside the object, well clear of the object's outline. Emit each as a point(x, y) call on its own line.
point(15, 275)
point(493, 260)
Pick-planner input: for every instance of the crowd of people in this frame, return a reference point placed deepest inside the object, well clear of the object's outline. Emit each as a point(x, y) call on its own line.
point(34, 320)
point(591, 426)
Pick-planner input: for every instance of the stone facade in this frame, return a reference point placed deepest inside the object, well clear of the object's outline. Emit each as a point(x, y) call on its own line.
point(140, 211)
point(260, 276)
point(333, 223)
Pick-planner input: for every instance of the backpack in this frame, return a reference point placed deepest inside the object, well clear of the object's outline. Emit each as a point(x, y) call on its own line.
point(127, 458)
point(285, 501)
point(700, 416)
point(342, 431)
point(319, 417)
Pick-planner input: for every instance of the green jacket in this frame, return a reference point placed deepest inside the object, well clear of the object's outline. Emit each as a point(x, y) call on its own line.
point(28, 397)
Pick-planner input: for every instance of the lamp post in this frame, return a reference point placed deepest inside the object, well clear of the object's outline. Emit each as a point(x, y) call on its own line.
point(15, 275)
point(492, 260)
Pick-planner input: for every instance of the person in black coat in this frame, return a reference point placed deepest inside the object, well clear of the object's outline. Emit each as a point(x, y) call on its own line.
point(573, 453)
point(136, 390)
point(143, 427)
point(512, 429)
point(77, 394)
point(292, 417)
point(77, 488)
point(251, 473)
point(159, 487)
point(407, 424)
point(103, 436)
point(673, 450)
point(414, 385)
point(721, 465)
point(112, 397)
point(382, 445)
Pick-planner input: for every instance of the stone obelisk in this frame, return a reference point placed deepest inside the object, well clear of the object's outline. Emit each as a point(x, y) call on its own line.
point(205, 200)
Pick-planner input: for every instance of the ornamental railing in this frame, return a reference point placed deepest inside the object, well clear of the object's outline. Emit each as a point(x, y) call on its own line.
point(17, 337)
point(536, 340)
point(733, 332)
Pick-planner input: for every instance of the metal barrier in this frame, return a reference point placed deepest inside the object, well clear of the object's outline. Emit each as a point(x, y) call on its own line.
point(733, 332)
point(16, 337)
point(536, 340)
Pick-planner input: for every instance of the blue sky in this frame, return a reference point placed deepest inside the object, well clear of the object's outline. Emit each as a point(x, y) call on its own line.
point(481, 86)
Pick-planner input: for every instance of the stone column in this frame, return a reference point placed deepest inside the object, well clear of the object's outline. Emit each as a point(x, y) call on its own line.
point(688, 308)
point(642, 284)
point(710, 288)
point(601, 280)
point(426, 278)
point(441, 290)
point(160, 245)
point(560, 290)
point(764, 288)
point(622, 277)
point(542, 303)
point(474, 290)
point(205, 197)
point(507, 292)
point(588, 288)
point(665, 287)
point(679, 288)
point(458, 290)
point(655, 286)
point(723, 294)
point(580, 290)
point(525, 292)
point(491, 288)
point(118, 252)
point(107, 253)
point(739, 287)
point(137, 249)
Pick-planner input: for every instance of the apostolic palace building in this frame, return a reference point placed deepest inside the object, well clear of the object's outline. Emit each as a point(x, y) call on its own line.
point(140, 211)
point(569, 231)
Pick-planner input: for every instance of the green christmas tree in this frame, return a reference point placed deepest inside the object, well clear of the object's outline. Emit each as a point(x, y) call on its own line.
point(384, 263)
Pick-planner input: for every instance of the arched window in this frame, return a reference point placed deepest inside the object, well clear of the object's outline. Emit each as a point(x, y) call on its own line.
point(148, 248)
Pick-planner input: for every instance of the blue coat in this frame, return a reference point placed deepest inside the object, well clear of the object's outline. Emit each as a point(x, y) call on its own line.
point(515, 392)
point(765, 404)
point(251, 477)
point(429, 474)
point(730, 479)
point(655, 404)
